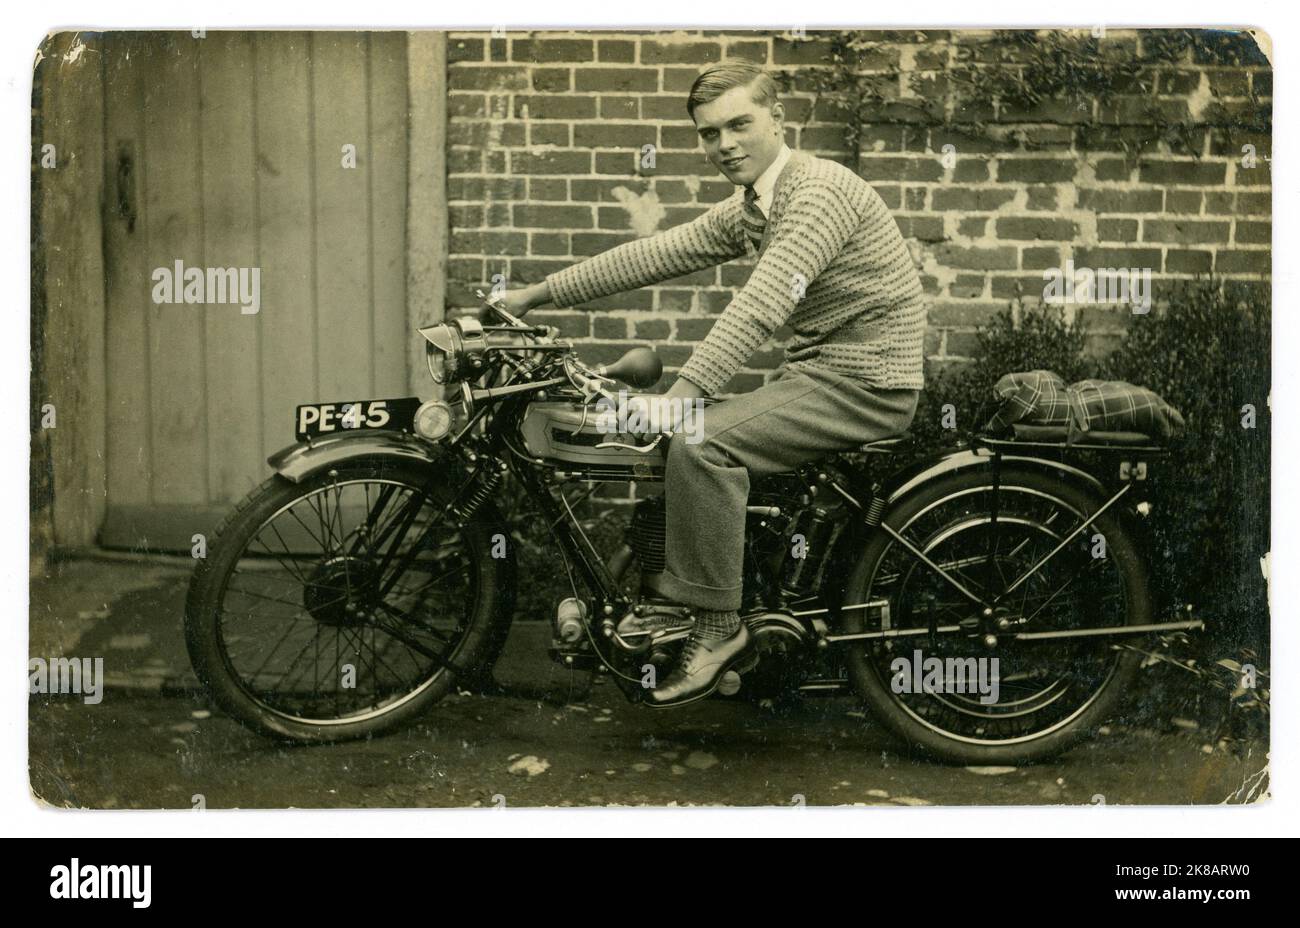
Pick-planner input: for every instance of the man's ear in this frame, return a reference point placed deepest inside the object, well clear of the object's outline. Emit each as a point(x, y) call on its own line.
point(778, 117)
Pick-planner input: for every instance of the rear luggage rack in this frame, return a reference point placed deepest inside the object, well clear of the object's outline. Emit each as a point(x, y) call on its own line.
point(1062, 437)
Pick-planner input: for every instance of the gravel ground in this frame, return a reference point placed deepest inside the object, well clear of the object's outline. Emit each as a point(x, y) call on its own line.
point(154, 743)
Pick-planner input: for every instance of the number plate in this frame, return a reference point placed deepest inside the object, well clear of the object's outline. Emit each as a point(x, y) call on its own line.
point(353, 416)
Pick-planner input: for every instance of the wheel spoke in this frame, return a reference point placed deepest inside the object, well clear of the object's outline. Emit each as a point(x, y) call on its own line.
point(287, 552)
point(409, 620)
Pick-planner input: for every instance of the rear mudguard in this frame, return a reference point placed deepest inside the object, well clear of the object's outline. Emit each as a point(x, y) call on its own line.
point(901, 485)
point(299, 462)
point(898, 487)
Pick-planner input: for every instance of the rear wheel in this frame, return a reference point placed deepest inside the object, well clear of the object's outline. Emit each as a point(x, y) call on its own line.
point(342, 606)
point(1050, 693)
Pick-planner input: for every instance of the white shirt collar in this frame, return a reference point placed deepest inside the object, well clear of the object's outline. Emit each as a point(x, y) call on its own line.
point(766, 183)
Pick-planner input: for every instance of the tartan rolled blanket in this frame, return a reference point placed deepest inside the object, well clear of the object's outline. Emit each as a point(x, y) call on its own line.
point(1042, 398)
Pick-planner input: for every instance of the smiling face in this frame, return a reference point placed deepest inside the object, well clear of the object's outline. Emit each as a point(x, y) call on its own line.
point(741, 138)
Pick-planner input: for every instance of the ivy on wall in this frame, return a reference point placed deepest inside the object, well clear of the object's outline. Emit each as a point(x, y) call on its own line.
point(1050, 75)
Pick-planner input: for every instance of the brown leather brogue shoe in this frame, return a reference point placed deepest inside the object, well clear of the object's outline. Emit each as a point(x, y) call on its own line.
point(701, 667)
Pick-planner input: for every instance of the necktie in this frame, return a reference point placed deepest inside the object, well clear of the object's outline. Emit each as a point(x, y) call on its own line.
point(752, 219)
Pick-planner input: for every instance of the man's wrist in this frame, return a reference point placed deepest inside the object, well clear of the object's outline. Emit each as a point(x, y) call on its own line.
point(539, 294)
point(685, 389)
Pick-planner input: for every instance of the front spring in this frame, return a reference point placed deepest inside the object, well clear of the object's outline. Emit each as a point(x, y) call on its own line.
point(480, 494)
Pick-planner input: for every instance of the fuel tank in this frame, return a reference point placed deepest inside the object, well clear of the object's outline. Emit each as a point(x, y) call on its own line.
point(567, 433)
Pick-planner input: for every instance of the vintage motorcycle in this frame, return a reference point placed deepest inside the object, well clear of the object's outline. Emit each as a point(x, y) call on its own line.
point(374, 571)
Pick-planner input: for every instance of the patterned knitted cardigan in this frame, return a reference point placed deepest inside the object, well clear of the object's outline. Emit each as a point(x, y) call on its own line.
point(832, 264)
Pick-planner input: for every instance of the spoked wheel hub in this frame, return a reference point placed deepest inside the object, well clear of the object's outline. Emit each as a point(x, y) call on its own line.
point(995, 624)
point(337, 591)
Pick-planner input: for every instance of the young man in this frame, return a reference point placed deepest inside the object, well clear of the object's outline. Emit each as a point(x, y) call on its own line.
point(833, 266)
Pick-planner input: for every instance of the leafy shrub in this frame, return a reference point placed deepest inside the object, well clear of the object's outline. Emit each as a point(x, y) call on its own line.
point(1208, 355)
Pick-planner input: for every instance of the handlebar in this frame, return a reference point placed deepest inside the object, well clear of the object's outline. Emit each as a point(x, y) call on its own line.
point(466, 344)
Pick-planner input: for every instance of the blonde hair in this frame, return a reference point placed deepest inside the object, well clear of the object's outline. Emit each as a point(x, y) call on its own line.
point(717, 79)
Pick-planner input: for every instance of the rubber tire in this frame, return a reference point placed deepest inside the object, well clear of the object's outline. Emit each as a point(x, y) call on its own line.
point(230, 540)
point(876, 692)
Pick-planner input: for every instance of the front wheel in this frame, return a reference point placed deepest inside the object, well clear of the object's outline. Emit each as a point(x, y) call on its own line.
point(1050, 693)
point(345, 605)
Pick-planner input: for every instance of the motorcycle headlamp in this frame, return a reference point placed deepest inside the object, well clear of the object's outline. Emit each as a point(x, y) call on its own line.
point(455, 349)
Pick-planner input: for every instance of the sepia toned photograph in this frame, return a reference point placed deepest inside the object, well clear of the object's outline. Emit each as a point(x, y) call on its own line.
point(650, 418)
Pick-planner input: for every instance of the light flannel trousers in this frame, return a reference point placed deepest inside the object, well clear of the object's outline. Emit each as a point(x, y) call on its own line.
point(801, 417)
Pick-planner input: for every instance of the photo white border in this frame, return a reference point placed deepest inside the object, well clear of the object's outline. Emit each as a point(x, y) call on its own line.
point(22, 816)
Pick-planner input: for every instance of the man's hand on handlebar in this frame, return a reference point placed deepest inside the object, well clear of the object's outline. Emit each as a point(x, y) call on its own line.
point(659, 412)
point(647, 415)
point(517, 302)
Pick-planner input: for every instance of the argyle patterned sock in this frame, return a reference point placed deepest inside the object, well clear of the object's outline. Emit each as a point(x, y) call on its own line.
point(712, 624)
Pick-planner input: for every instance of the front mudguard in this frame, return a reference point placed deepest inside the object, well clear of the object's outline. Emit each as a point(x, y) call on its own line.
point(304, 460)
point(298, 462)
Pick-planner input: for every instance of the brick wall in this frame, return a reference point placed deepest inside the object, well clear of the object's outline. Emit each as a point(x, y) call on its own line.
point(545, 142)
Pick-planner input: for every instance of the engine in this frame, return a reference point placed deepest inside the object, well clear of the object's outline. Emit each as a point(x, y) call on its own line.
point(647, 534)
point(787, 538)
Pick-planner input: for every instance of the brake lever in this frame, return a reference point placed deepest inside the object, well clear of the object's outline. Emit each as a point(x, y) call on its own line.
point(494, 301)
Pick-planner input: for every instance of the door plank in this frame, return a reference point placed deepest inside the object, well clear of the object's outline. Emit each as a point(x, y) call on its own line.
point(344, 336)
point(173, 207)
point(230, 240)
point(388, 108)
point(285, 216)
point(126, 268)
